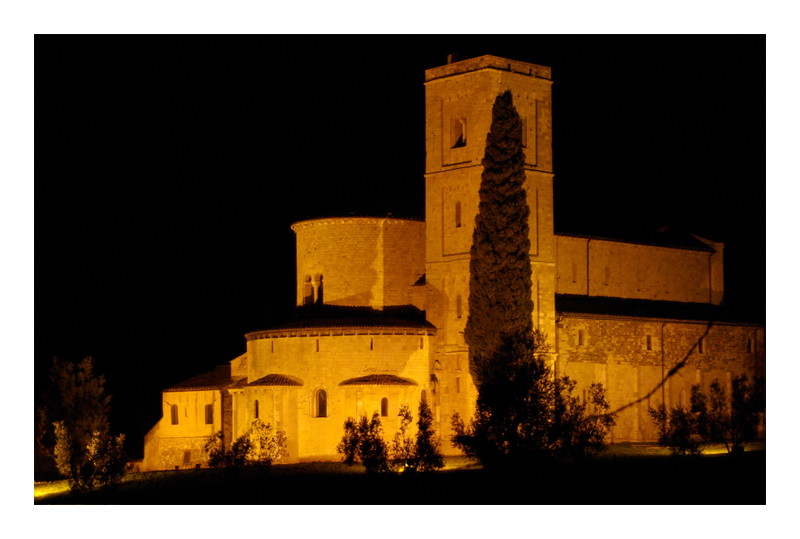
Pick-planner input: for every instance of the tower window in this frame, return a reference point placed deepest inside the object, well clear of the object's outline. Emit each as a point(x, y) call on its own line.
point(458, 214)
point(308, 291)
point(318, 279)
point(322, 403)
point(255, 409)
point(209, 414)
point(174, 411)
point(458, 133)
point(385, 407)
point(580, 337)
point(649, 342)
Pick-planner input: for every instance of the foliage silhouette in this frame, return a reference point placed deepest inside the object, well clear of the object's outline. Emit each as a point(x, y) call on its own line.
point(713, 418)
point(260, 445)
point(73, 427)
point(524, 416)
point(500, 271)
point(363, 442)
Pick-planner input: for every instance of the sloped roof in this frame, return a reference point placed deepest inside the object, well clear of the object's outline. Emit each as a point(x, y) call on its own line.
point(277, 380)
point(335, 316)
point(379, 380)
point(217, 378)
point(642, 308)
point(664, 237)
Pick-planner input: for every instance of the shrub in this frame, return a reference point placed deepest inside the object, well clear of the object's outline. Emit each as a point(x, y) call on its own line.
point(713, 418)
point(428, 449)
point(259, 445)
point(363, 442)
point(523, 415)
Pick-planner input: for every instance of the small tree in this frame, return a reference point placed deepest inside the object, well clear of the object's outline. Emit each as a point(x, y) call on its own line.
point(259, 445)
point(428, 449)
point(404, 450)
point(363, 442)
point(73, 427)
point(713, 418)
point(677, 429)
point(580, 429)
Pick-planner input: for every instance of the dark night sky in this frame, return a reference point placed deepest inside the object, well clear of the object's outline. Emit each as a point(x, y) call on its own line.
point(168, 171)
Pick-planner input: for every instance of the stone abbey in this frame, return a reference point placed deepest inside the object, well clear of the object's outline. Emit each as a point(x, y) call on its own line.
point(382, 303)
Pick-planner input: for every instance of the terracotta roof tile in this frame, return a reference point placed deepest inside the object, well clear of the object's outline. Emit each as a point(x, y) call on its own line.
point(379, 380)
point(277, 380)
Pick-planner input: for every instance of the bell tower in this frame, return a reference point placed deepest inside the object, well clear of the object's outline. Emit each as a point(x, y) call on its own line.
point(458, 114)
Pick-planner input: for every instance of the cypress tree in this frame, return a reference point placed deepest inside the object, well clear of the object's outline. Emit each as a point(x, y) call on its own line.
point(500, 270)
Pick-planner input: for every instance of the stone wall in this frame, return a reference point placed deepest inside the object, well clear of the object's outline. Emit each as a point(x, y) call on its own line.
point(615, 352)
point(362, 261)
point(598, 267)
point(323, 359)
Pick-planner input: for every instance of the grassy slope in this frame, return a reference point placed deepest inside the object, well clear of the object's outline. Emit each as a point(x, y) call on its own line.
point(625, 475)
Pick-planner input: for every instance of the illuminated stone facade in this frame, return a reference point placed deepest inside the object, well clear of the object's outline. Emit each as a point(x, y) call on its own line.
point(382, 303)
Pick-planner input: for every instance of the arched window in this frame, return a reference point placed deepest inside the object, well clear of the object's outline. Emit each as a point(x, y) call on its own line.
point(385, 407)
point(322, 403)
point(174, 410)
point(255, 409)
point(318, 279)
point(458, 214)
point(308, 291)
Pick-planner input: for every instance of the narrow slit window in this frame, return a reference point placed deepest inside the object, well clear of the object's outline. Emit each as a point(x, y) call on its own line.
point(608, 276)
point(371, 344)
point(649, 342)
point(458, 306)
point(308, 291)
point(458, 133)
point(458, 214)
point(421, 343)
point(458, 385)
point(424, 396)
point(384, 407)
point(174, 411)
point(187, 457)
point(701, 345)
point(272, 347)
point(749, 346)
point(318, 280)
point(317, 345)
point(255, 409)
point(574, 272)
point(580, 337)
point(209, 414)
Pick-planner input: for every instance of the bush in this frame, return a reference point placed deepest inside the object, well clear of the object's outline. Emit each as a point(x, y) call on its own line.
point(73, 427)
point(101, 463)
point(713, 418)
point(524, 416)
point(363, 442)
point(259, 445)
